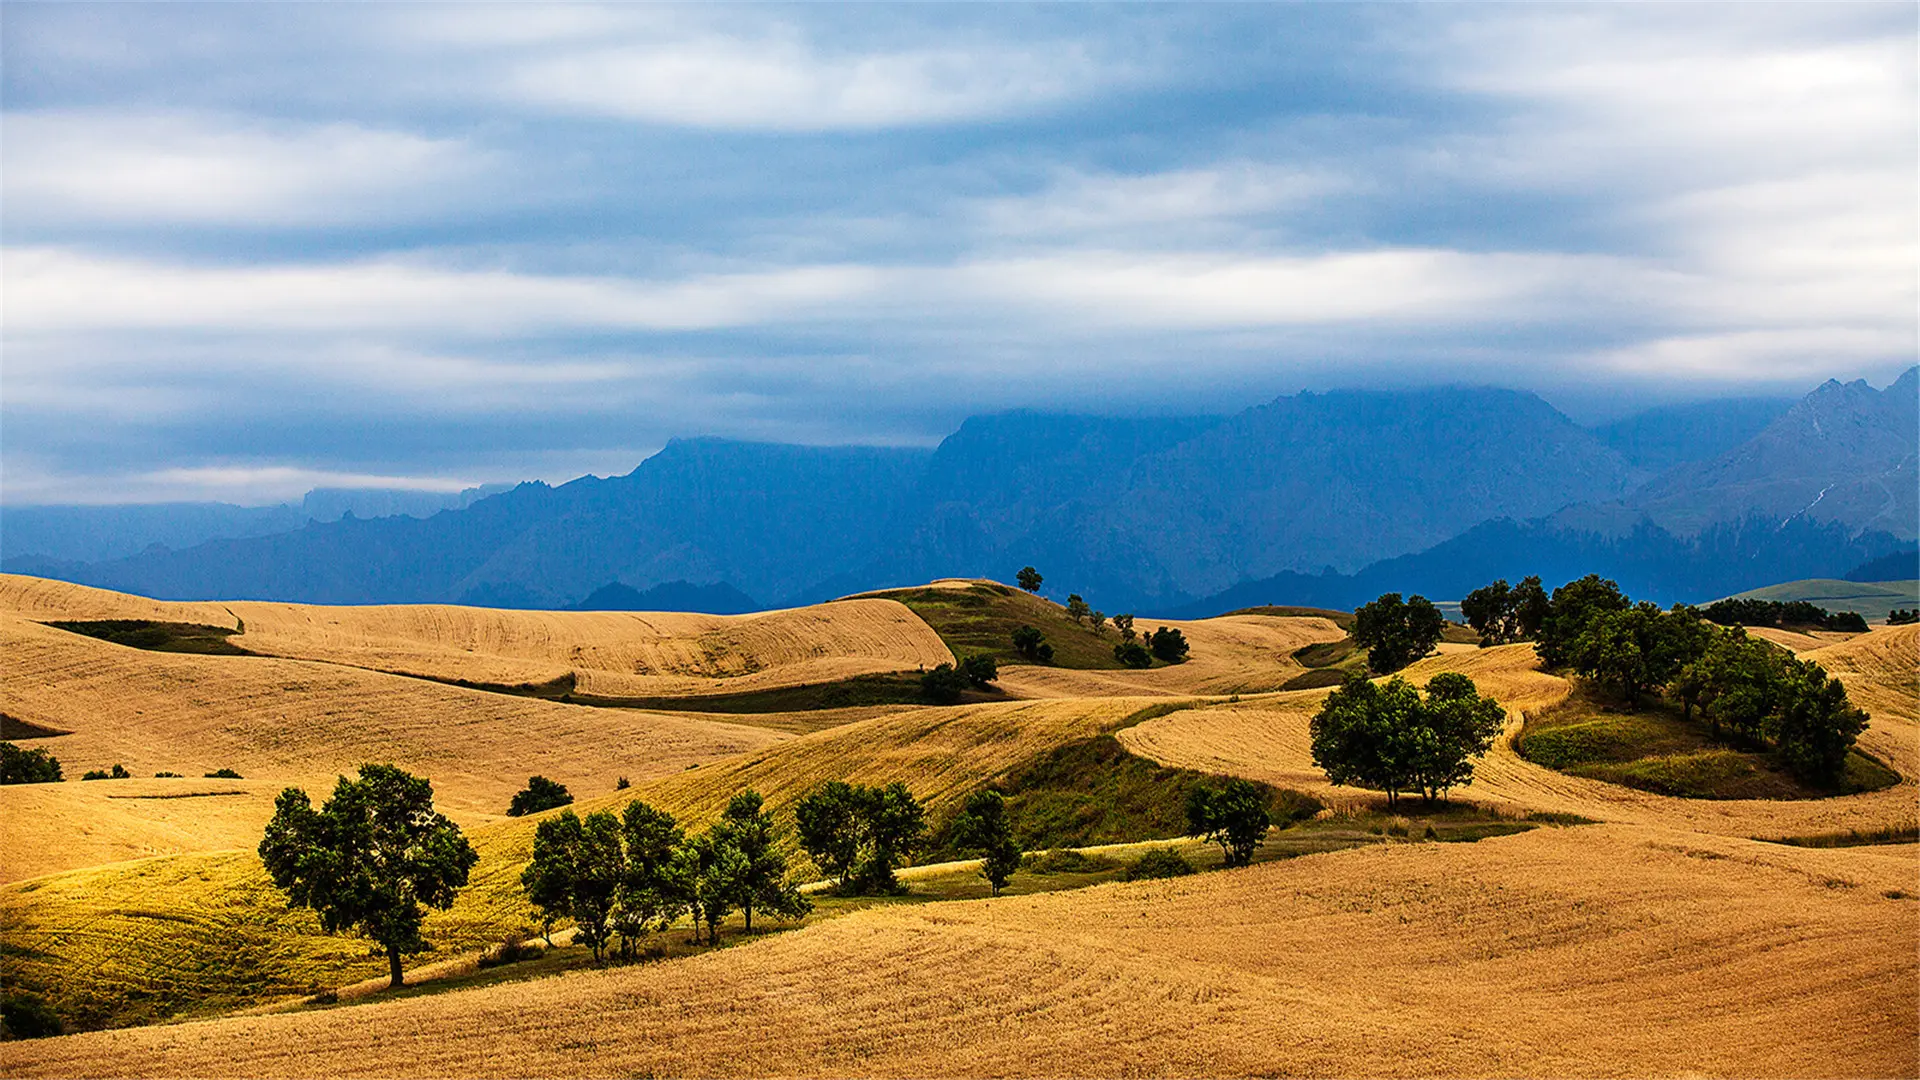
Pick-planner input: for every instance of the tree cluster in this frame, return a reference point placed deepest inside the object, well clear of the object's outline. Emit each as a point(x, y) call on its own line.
point(1745, 688)
point(858, 834)
point(539, 794)
point(1396, 739)
point(1741, 611)
point(1903, 616)
point(34, 766)
point(1395, 633)
point(371, 859)
point(118, 772)
point(635, 874)
point(1503, 614)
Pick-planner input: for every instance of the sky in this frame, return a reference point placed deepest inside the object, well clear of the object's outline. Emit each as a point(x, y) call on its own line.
point(253, 249)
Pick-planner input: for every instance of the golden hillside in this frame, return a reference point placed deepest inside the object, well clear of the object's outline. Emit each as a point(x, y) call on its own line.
point(610, 653)
point(1598, 951)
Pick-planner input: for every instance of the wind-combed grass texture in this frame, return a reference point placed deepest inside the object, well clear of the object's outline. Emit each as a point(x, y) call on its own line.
point(1610, 950)
point(607, 653)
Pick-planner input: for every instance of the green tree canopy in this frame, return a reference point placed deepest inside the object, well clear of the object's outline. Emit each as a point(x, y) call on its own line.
point(763, 884)
point(371, 859)
point(1394, 739)
point(576, 872)
point(1572, 606)
point(1233, 815)
point(539, 794)
point(34, 766)
point(983, 827)
point(858, 834)
point(1816, 726)
point(1395, 633)
point(1029, 579)
point(1168, 644)
point(1502, 614)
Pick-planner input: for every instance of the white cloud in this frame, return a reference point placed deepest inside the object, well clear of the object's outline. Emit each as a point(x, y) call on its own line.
point(778, 81)
point(1079, 202)
point(81, 167)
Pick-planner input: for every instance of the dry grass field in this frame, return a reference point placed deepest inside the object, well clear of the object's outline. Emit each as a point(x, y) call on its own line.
point(1665, 941)
point(1599, 951)
point(609, 653)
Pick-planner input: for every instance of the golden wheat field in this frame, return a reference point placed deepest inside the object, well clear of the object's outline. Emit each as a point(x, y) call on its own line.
point(1604, 951)
point(1664, 941)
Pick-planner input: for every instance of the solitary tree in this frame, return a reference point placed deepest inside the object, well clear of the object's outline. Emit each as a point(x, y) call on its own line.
point(1168, 644)
point(1029, 579)
point(1396, 633)
point(539, 794)
point(1390, 738)
point(1077, 608)
point(1233, 815)
point(763, 878)
point(982, 826)
point(369, 858)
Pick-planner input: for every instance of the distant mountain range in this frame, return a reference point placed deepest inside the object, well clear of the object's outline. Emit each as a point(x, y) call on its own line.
point(1305, 499)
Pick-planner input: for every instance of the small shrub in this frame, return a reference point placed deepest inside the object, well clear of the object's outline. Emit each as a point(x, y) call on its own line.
point(1065, 861)
point(943, 685)
point(26, 1016)
point(224, 774)
point(622, 784)
point(1429, 834)
point(510, 951)
point(539, 794)
point(119, 773)
point(1133, 654)
point(1398, 826)
point(1159, 863)
point(166, 776)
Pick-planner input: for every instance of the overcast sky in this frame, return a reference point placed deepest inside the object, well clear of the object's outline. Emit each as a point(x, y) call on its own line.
point(255, 249)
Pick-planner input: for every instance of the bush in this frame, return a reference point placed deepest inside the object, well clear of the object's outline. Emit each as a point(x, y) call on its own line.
point(26, 1016)
point(1032, 644)
point(539, 794)
point(1168, 644)
point(166, 776)
point(622, 784)
point(119, 773)
point(943, 685)
point(1159, 863)
point(224, 774)
point(980, 670)
point(1903, 616)
point(34, 766)
point(1065, 861)
point(1133, 654)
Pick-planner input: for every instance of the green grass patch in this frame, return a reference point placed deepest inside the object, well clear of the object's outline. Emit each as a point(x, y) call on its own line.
point(1657, 749)
point(174, 637)
point(981, 618)
point(1093, 791)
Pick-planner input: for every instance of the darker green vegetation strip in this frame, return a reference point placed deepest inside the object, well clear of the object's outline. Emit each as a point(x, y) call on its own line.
point(1328, 663)
point(886, 688)
point(1343, 619)
point(174, 637)
point(981, 618)
point(1656, 749)
point(1892, 834)
point(1093, 791)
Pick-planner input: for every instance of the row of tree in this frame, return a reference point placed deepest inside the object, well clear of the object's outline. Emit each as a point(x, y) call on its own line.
point(639, 872)
point(1394, 738)
point(1745, 611)
point(37, 766)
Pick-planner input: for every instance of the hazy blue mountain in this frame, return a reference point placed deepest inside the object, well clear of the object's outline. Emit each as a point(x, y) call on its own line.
point(97, 533)
point(1140, 514)
point(36, 535)
point(1649, 562)
point(1845, 453)
point(1670, 435)
point(772, 518)
point(718, 598)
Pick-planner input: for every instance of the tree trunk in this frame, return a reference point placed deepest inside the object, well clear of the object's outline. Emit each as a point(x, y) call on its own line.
point(747, 909)
point(393, 967)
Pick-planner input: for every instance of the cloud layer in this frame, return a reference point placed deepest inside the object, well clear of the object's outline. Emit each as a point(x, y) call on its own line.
point(435, 246)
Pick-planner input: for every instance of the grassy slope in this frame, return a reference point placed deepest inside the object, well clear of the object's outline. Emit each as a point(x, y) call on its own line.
point(1870, 599)
point(1609, 950)
point(981, 616)
point(1655, 749)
